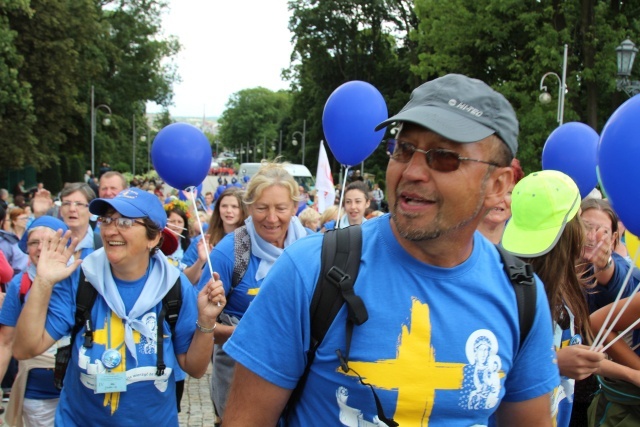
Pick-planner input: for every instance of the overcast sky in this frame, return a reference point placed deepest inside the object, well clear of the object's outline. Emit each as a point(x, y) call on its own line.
point(226, 46)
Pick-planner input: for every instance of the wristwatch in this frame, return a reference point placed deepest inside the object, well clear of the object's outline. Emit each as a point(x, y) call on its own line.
point(607, 265)
point(205, 330)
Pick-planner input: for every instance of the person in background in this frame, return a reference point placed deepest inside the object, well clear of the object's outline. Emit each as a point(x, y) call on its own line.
point(4, 198)
point(356, 202)
point(493, 224)
point(18, 219)
point(33, 395)
point(440, 306)
point(178, 222)
point(74, 210)
point(310, 219)
point(104, 383)
point(328, 218)
point(9, 247)
point(272, 199)
point(546, 231)
point(111, 183)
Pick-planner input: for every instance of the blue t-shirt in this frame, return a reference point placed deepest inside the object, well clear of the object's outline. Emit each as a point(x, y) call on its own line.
point(601, 296)
point(40, 383)
point(439, 346)
point(191, 254)
point(149, 399)
point(222, 260)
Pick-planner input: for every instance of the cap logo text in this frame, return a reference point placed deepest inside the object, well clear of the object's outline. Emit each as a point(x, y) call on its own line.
point(465, 107)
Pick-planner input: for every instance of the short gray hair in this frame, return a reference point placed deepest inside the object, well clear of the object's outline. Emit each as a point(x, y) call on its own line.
point(81, 187)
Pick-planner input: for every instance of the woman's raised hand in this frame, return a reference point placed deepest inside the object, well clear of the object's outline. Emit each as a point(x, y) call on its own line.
point(54, 258)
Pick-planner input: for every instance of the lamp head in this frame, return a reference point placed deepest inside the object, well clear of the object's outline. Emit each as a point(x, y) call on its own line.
point(544, 98)
point(625, 55)
point(294, 142)
point(106, 121)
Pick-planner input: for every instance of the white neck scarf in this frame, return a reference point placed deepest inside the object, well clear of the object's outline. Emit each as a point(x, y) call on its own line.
point(161, 278)
point(267, 252)
point(344, 221)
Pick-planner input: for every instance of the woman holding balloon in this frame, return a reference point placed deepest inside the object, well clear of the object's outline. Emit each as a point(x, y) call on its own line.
point(271, 198)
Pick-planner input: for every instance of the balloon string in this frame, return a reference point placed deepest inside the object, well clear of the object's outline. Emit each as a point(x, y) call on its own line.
point(191, 190)
point(344, 184)
point(599, 340)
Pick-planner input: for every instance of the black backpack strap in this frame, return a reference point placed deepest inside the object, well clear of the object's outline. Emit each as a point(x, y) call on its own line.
point(341, 253)
point(241, 255)
point(521, 277)
point(171, 304)
point(85, 298)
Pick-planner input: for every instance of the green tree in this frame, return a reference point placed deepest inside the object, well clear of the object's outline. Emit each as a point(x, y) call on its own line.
point(511, 44)
point(253, 116)
point(336, 41)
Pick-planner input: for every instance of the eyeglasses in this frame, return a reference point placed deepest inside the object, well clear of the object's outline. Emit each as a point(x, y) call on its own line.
point(77, 205)
point(22, 218)
point(438, 159)
point(595, 228)
point(121, 223)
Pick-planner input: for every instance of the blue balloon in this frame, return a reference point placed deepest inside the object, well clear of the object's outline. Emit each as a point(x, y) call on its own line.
point(572, 149)
point(181, 154)
point(618, 154)
point(350, 116)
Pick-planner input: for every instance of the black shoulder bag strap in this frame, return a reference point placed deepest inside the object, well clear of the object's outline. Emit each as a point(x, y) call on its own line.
point(341, 253)
point(521, 277)
point(171, 304)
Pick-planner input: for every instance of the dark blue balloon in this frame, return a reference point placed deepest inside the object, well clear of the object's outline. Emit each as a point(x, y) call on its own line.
point(572, 149)
point(350, 116)
point(181, 154)
point(618, 155)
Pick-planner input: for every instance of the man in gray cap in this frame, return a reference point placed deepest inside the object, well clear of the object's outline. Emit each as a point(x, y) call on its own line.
point(441, 346)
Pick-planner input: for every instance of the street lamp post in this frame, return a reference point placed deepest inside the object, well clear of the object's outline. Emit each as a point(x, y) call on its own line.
point(133, 163)
point(303, 135)
point(106, 122)
point(625, 55)
point(545, 98)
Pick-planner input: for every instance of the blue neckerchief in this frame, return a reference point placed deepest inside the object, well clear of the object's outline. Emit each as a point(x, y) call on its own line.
point(160, 279)
point(267, 252)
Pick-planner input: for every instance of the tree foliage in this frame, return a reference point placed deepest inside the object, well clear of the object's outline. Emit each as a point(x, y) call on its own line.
point(56, 51)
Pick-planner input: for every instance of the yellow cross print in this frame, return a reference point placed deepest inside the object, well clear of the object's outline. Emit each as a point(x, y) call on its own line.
point(415, 373)
point(112, 336)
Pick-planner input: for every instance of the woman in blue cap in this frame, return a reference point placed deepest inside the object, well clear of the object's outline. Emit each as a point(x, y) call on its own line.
point(546, 231)
point(33, 395)
point(105, 381)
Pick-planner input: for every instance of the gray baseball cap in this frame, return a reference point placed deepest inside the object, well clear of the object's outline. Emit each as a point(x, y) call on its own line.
point(461, 109)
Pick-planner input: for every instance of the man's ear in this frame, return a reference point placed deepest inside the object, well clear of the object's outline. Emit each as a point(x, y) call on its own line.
point(498, 184)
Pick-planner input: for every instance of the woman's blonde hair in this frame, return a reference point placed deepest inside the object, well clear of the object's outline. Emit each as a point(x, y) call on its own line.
point(308, 216)
point(270, 174)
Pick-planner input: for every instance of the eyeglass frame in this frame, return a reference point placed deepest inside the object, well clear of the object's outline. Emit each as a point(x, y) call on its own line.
point(67, 204)
point(119, 222)
point(429, 155)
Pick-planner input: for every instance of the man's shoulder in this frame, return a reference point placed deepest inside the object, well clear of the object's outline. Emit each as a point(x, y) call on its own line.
point(8, 237)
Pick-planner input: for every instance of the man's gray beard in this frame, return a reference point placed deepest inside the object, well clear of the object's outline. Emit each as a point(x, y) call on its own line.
point(419, 235)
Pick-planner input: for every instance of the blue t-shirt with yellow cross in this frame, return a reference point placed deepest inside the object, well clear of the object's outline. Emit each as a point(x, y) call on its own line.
point(148, 398)
point(440, 347)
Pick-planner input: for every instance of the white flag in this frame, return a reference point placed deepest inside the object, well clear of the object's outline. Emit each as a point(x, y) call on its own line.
point(325, 191)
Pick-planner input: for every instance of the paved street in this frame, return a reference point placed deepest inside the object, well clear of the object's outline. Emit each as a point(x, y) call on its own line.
point(197, 409)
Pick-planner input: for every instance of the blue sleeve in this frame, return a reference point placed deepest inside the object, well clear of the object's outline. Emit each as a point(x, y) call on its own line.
point(601, 296)
point(186, 324)
point(17, 259)
point(270, 315)
point(191, 254)
point(62, 307)
point(222, 260)
point(532, 374)
point(11, 307)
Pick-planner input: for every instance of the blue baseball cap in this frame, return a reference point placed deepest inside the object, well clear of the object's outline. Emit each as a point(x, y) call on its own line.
point(132, 203)
point(44, 221)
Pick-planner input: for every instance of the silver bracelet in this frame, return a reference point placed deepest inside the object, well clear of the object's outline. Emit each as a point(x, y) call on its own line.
point(205, 330)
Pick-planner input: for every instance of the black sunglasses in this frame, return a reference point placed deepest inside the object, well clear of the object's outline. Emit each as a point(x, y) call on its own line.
point(438, 159)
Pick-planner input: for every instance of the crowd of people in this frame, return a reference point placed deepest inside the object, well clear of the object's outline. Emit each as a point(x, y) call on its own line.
point(132, 289)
